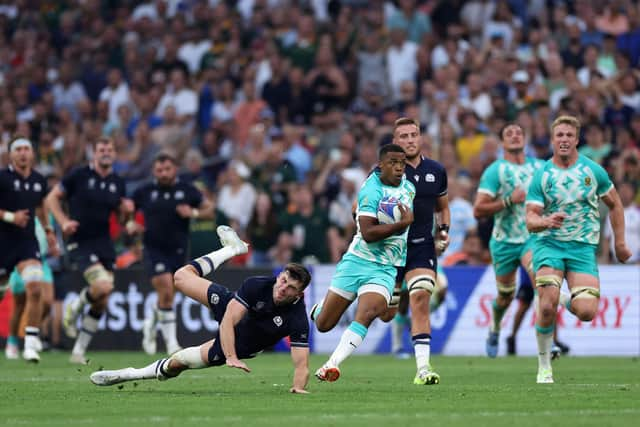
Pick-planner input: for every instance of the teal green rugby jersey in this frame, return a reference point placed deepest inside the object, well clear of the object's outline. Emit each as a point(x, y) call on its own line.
point(499, 180)
point(393, 249)
point(574, 191)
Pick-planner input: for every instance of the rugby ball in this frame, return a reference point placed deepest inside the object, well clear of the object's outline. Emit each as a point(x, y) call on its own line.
point(388, 210)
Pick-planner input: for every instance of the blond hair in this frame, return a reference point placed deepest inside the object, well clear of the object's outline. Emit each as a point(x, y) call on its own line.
point(566, 120)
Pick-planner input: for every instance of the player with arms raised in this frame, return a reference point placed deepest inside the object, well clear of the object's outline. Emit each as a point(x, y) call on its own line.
point(562, 208)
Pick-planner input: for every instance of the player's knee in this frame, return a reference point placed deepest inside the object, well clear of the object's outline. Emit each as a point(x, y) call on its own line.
point(584, 302)
point(187, 358)
point(33, 290)
point(180, 278)
point(419, 299)
point(546, 308)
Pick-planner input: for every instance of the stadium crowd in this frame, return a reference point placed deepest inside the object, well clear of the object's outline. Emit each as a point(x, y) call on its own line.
point(275, 109)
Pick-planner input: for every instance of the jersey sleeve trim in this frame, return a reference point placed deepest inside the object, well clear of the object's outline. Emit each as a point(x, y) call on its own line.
point(486, 191)
point(299, 344)
point(534, 202)
point(607, 190)
point(241, 301)
point(369, 214)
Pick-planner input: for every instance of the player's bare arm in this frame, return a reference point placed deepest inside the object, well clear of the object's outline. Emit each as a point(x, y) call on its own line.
point(43, 215)
point(485, 205)
point(300, 358)
point(443, 219)
point(616, 216)
point(52, 201)
point(373, 231)
point(235, 312)
point(536, 222)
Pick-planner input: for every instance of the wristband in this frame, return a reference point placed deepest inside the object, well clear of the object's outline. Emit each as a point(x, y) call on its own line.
point(9, 217)
point(444, 227)
point(195, 213)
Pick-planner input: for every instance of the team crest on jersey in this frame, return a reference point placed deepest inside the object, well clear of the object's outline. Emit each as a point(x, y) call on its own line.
point(26, 185)
point(93, 258)
point(179, 195)
point(160, 267)
point(416, 177)
point(430, 178)
point(154, 195)
point(92, 182)
point(259, 305)
point(16, 185)
point(278, 321)
point(37, 187)
point(587, 181)
point(112, 188)
point(214, 299)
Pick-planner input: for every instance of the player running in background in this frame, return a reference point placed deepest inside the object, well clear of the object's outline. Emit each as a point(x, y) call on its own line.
point(368, 270)
point(420, 273)
point(168, 205)
point(18, 287)
point(501, 194)
point(562, 208)
point(22, 191)
point(264, 310)
point(92, 193)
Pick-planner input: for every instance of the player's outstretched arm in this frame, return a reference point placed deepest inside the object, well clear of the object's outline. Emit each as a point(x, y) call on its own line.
point(300, 358)
point(616, 217)
point(232, 316)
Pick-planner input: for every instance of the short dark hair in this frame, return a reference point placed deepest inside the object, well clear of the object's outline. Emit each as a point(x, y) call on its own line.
point(103, 140)
point(164, 157)
point(298, 272)
point(389, 148)
point(506, 125)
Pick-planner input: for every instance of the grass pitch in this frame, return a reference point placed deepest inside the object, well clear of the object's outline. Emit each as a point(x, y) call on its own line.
point(373, 391)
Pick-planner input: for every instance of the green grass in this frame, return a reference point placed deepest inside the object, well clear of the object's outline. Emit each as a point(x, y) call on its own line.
point(373, 391)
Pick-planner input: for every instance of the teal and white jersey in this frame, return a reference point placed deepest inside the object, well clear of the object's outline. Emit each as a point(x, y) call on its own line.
point(574, 191)
point(498, 181)
point(393, 249)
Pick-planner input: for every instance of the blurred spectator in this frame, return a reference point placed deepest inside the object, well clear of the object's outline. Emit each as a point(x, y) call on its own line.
point(471, 252)
point(596, 148)
point(413, 21)
point(307, 225)
point(471, 140)
point(262, 231)
point(237, 196)
point(68, 92)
